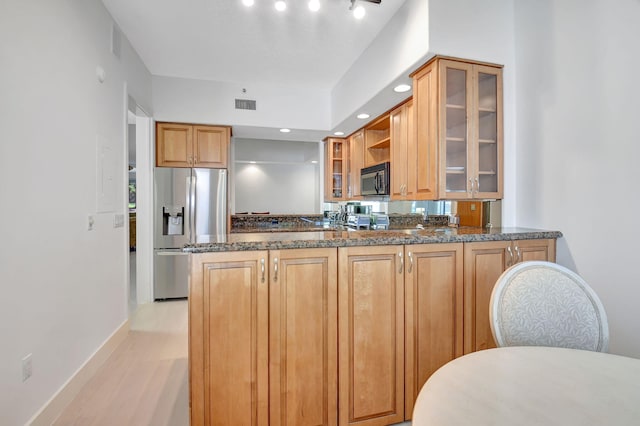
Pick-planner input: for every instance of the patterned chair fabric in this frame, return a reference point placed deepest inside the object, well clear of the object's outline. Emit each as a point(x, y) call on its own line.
point(544, 304)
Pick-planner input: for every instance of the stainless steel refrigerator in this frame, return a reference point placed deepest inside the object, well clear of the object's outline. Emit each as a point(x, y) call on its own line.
point(190, 206)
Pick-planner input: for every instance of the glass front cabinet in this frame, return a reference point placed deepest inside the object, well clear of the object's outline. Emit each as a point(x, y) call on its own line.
point(336, 169)
point(468, 117)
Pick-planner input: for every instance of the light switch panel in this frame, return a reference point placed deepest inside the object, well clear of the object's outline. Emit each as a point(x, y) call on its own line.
point(118, 221)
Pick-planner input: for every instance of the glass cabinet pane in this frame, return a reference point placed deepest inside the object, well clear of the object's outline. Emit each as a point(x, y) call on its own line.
point(456, 130)
point(487, 132)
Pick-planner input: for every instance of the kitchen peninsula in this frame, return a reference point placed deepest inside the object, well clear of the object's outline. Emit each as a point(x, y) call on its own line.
point(339, 326)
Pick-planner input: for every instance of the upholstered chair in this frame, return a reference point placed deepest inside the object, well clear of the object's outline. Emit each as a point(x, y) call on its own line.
point(544, 304)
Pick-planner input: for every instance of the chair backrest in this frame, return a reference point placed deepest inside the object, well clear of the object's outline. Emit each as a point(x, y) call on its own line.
point(545, 304)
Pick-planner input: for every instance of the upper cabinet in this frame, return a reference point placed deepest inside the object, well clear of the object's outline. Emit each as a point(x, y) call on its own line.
point(403, 153)
point(377, 140)
point(188, 145)
point(356, 163)
point(458, 116)
point(336, 169)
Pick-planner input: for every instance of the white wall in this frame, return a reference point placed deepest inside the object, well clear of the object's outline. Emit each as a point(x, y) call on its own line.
point(401, 45)
point(282, 181)
point(63, 287)
point(577, 144)
point(482, 30)
point(213, 102)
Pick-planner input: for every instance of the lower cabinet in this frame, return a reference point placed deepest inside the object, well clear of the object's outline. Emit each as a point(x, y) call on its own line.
point(371, 335)
point(303, 340)
point(263, 338)
point(433, 312)
point(484, 263)
point(336, 336)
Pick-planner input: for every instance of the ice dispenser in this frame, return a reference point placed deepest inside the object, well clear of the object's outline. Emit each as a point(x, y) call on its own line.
point(172, 220)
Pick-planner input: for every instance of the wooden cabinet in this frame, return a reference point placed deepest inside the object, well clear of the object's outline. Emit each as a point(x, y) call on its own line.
point(303, 341)
point(335, 169)
point(404, 164)
point(332, 336)
point(484, 262)
point(459, 119)
point(263, 338)
point(356, 163)
point(228, 338)
point(400, 316)
point(371, 335)
point(433, 312)
point(377, 139)
point(187, 145)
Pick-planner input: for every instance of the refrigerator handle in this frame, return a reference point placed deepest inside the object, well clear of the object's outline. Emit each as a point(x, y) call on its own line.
point(191, 194)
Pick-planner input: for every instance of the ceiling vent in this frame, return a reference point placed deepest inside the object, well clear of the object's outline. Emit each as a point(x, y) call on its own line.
point(246, 104)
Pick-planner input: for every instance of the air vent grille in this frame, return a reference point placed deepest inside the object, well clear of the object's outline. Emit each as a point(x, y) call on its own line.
point(115, 41)
point(246, 104)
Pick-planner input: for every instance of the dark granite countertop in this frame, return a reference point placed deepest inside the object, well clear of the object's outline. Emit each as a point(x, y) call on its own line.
point(347, 238)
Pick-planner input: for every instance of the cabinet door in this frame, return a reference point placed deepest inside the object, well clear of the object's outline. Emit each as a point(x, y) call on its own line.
point(335, 169)
point(456, 160)
point(303, 362)
point(356, 161)
point(434, 312)
point(398, 153)
point(425, 132)
point(228, 338)
point(174, 145)
point(526, 250)
point(484, 262)
point(371, 335)
point(403, 156)
point(487, 132)
point(210, 146)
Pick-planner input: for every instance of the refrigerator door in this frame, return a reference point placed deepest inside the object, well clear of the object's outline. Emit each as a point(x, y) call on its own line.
point(209, 216)
point(171, 274)
point(171, 214)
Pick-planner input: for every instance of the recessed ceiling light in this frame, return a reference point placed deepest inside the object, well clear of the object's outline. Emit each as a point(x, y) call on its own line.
point(359, 12)
point(314, 5)
point(401, 88)
point(339, 133)
point(285, 130)
point(248, 3)
point(314, 161)
point(363, 116)
point(252, 162)
point(281, 5)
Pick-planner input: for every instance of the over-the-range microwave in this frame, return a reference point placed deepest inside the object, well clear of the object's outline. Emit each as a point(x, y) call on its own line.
point(375, 180)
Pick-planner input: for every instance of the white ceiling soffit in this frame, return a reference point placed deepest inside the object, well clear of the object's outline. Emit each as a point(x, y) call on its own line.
point(223, 40)
point(270, 133)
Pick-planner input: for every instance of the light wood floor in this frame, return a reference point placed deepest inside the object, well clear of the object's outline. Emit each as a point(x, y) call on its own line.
point(145, 380)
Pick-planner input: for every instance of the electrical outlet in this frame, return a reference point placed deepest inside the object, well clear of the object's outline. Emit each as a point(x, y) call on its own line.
point(27, 368)
point(91, 221)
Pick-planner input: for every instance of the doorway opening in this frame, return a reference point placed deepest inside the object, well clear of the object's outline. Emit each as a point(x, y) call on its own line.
point(138, 206)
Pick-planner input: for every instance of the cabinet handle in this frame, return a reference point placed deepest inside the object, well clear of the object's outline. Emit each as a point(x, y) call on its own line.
point(470, 191)
point(410, 256)
point(510, 256)
point(477, 185)
point(518, 255)
point(262, 268)
point(275, 269)
point(401, 263)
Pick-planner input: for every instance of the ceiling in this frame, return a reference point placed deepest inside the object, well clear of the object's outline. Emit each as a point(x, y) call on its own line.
point(223, 40)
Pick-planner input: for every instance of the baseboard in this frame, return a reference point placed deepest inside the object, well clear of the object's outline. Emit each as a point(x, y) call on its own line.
point(54, 407)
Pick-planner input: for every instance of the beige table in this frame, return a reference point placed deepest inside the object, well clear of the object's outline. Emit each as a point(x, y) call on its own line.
point(532, 386)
